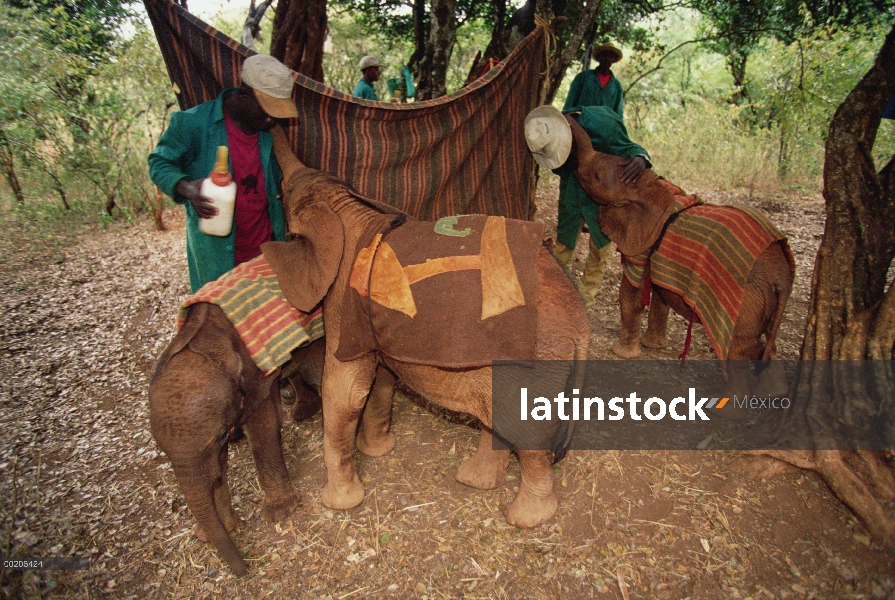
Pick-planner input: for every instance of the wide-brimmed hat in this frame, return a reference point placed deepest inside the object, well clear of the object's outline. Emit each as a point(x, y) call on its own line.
point(548, 136)
point(272, 83)
point(368, 61)
point(607, 48)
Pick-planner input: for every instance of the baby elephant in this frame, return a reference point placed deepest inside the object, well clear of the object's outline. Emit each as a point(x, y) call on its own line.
point(204, 387)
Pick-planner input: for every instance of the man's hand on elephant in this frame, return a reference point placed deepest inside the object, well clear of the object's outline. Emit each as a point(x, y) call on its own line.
point(190, 190)
point(631, 172)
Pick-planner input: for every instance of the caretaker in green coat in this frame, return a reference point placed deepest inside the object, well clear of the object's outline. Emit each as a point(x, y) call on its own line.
point(590, 88)
point(240, 118)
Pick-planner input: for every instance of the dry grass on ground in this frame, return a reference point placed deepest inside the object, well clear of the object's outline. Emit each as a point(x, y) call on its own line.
point(81, 327)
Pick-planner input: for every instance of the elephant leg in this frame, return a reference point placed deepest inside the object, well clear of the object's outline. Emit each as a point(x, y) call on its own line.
point(628, 343)
point(487, 468)
point(373, 435)
point(536, 501)
point(656, 335)
point(263, 428)
point(307, 401)
point(345, 390)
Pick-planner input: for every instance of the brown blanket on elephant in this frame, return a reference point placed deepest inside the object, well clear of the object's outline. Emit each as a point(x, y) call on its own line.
point(706, 256)
point(459, 292)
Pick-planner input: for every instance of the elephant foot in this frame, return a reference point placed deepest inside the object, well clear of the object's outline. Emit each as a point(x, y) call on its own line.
point(623, 350)
point(343, 497)
point(657, 341)
point(375, 445)
point(528, 510)
point(484, 471)
point(306, 404)
point(279, 510)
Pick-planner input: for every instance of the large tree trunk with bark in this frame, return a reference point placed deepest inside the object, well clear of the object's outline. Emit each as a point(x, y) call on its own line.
point(7, 164)
point(299, 30)
point(442, 38)
point(852, 308)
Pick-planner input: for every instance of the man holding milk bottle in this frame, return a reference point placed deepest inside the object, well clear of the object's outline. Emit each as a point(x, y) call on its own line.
point(188, 152)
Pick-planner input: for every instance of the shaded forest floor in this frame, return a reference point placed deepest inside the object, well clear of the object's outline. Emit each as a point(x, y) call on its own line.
point(83, 318)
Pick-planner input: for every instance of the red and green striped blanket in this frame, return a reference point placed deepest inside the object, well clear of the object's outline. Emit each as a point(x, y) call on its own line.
point(706, 256)
point(269, 326)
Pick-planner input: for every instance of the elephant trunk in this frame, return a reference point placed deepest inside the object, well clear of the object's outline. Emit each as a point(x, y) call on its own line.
point(581, 143)
point(286, 158)
point(197, 487)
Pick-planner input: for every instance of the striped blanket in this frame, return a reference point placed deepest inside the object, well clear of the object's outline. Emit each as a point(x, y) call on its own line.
point(464, 153)
point(269, 326)
point(706, 256)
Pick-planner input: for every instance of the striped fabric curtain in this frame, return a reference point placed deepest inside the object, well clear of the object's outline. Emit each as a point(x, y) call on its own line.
point(460, 154)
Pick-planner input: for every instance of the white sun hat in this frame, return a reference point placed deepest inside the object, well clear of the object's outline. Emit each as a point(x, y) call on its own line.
point(548, 136)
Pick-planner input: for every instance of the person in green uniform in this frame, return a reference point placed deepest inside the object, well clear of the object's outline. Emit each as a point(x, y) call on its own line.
point(550, 140)
point(591, 87)
point(186, 154)
point(369, 67)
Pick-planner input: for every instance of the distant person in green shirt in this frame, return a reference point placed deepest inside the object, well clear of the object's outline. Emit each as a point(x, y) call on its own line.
point(369, 66)
point(598, 87)
point(590, 88)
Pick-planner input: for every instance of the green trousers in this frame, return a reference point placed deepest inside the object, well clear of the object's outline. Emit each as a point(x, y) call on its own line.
point(594, 268)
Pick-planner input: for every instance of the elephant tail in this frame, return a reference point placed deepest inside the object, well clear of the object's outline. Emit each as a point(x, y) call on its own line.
point(782, 290)
point(563, 436)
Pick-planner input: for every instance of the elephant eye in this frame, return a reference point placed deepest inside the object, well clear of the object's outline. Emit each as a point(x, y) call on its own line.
point(597, 175)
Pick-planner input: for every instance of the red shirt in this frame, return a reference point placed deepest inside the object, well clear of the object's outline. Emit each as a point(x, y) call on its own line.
point(251, 219)
point(604, 79)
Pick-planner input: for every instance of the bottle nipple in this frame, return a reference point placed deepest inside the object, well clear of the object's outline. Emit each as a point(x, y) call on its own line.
point(221, 174)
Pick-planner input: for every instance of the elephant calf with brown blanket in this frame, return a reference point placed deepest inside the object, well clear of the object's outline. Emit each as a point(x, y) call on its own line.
point(330, 228)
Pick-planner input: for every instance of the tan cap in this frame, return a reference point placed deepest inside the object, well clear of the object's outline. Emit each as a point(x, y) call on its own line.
point(548, 136)
point(368, 61)
point(272, 82)
point(607, 48)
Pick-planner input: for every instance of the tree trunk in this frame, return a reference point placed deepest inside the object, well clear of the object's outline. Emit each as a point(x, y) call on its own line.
point(565, 53)
point(419, 40)
point(442, 38)
point(299, 30)
point(7, 163)
point(851, 313)
point(158, 210)
point(251, 28)
point(736, 60)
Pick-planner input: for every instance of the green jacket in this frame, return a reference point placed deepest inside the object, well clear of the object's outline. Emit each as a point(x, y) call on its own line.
point(586, 91)
point(365, 90)
point(608, 135)
point(187, 150)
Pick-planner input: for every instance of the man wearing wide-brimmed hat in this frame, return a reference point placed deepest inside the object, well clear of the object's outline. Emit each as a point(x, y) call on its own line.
point(597, 87)
point(240, 119)
point(549, 138)
point(591, 87)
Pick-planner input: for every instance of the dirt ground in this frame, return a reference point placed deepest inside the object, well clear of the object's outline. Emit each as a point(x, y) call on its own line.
point(82, 320)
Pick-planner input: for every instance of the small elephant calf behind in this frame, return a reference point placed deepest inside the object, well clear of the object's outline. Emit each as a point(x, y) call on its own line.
point(204, 387)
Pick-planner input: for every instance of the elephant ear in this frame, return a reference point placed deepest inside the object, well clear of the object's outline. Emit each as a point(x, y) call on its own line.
point(635, 226)
point(308, 263)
